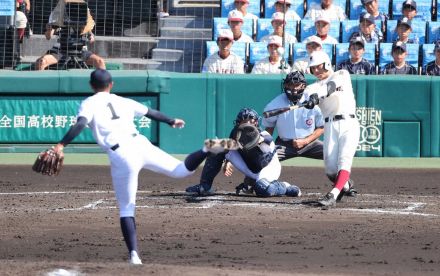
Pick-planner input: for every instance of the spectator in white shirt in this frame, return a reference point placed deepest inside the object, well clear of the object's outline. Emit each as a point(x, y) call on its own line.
point(326, 8)
point(278, 23)
point(274, 64)
point(302, 64)
point(290, 14)
point(235, 21)
point(242, 6)
point(322, 25)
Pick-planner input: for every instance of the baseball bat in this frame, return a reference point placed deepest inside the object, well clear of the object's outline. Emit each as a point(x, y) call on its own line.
point(277, 111)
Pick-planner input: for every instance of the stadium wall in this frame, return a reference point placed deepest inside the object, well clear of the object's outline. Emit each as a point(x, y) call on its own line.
point(399, 116)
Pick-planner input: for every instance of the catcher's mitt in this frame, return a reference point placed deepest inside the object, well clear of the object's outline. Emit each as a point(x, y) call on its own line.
point(247, 136)
point(48, 162)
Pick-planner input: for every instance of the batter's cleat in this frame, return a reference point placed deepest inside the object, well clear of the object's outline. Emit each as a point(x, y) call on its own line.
point(199, 190)
point(292, 190)
point(327, 201)
point(350, 192)
point(244, 189)
point(216, 146)
point(134, 258)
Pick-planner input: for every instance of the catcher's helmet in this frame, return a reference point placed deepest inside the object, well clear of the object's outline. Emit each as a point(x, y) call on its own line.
point(246, 114)
point(294, 78)
point(320, 57)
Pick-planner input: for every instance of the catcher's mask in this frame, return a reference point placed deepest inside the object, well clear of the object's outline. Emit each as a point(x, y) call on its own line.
point(247, 115)
point(294, 85)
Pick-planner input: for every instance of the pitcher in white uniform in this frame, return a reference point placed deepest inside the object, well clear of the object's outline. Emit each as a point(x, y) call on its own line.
point(333, 93)
point(110, 119)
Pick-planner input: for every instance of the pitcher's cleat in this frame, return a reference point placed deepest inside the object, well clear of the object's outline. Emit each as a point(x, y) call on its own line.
point(327, 201)
point(352, 192)
point(216, 146)
point(134, 258)
point(199, 190)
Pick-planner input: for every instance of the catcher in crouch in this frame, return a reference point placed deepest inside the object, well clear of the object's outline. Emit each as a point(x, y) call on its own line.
point(256, 158)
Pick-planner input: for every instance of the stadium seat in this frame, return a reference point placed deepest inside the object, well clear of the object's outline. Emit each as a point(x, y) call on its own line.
point(222, 23)
point(356, 8)
point(427, 54)
point(418, 30)
point(228, 5)
point(299, 50)
point(264, 27)
point(433, 31)
point(386, 57)
point(342, 53)
point(297, 6)
point(424, 9)
point(238, 48)
point(340, 3)
point(258, 50)
point(308, 28)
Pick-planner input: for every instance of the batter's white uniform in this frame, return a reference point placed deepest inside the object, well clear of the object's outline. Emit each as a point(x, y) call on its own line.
point(233, 64)
point(332, 13)
point(341, 136)
point(271, 172)
point(111, 119)
point(289, 39)
point(264, 66)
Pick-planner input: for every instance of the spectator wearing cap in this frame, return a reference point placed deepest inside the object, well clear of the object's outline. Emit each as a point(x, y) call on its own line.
point(326, 8)
point(372, 7)
point(235, 22)
point(242, 6)
point(278, 23)
point(356, 64)
point(409, 9)
point(224, 61)
point(399, 66)
point(322, 25)
point(433, 67)
point(367, 30)
point(274, 64)
point(313, 44)
point(403, 30)
point(284, 7)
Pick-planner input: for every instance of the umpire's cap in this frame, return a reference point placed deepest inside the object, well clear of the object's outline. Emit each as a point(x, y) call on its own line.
point(100, 78)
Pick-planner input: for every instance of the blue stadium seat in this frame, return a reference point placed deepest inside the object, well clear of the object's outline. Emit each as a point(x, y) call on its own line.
point(228, 5)
point(427, 54)
point(264, 27)
point(356, 8)
point(418, 30)
point(222, 23)
point(433, 31)
point(238, 48)
point(299, 50)
point(258, 50)
point(340, 3)
point(342, 53)
point(308, 28)
point(424, 9)
point(386, 57)
point(297, 6)
point(350, 26)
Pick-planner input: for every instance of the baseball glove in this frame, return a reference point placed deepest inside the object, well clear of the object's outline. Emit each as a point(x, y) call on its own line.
point(49, 162)
point(247, 136)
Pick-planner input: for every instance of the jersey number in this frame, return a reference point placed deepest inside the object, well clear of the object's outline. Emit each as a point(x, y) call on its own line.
point(112, 110)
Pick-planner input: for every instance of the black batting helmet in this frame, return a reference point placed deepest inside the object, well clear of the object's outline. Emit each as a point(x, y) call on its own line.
point(246, 114)
point(295, 78)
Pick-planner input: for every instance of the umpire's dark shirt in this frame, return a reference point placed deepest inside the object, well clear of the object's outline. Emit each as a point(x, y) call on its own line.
point(391, 69)
point(362, 67)
point(432, 69)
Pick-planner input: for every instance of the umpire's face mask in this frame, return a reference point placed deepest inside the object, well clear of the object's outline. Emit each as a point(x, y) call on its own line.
point(294, 92)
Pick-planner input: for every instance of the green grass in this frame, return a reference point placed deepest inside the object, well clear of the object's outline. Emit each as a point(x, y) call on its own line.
point(359, 162)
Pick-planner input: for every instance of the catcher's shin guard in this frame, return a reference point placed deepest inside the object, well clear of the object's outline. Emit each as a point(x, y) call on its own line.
point(264, 188)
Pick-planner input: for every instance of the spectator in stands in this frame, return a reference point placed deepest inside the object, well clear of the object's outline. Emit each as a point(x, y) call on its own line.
point(278, 23)
point(24, 6)
point(372, 7)
point(20, 24)
point(433, 67)
point(356, 64)
point(290, 14)
point(235, 21)
point(326, 8)
point(367, 29)
point(399, 66)
point(274, 64)
point(302, 64)
point(409, 9)
point(322, 25)
point(403, 30)
point(224, 61)
point(242, 6)
point(60, 50)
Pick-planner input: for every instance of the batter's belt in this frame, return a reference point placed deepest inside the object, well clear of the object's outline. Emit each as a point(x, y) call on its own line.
point(115, 147)
point(339, 117)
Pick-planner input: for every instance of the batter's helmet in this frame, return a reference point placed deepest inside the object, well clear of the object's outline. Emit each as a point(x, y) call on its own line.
point(320, 57)
point(295, 78)
point(246, 114)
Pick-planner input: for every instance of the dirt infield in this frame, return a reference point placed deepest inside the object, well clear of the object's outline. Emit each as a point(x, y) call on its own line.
point(70, 222)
